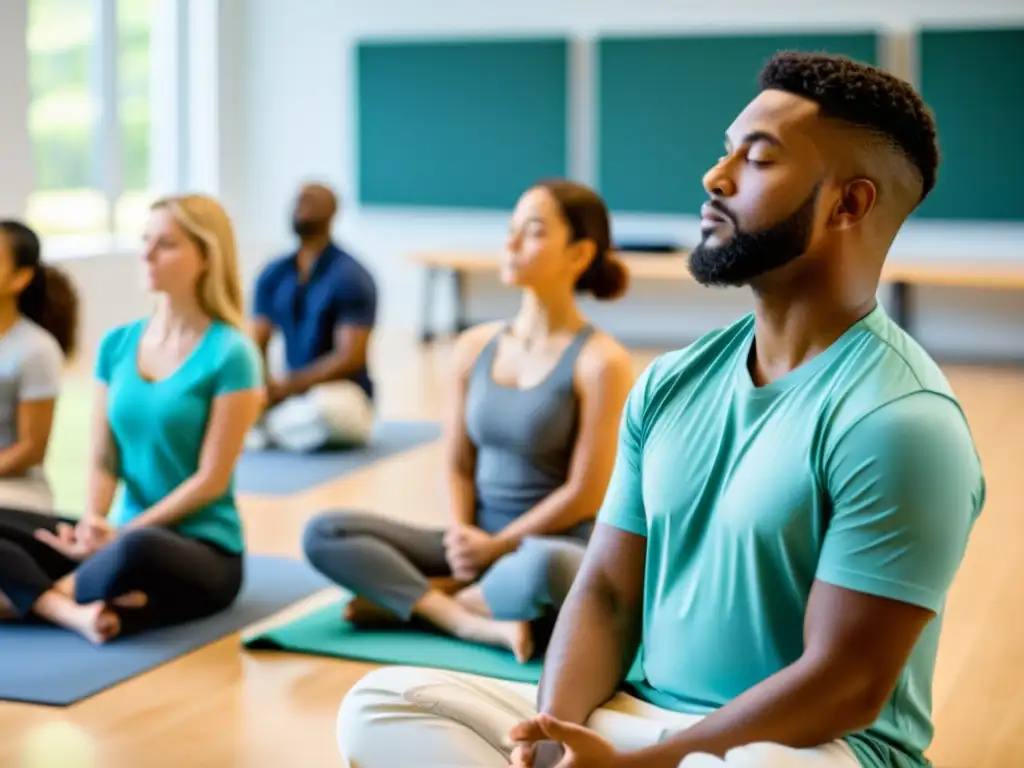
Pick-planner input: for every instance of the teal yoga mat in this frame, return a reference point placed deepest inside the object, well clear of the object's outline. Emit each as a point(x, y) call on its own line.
point(323, 633)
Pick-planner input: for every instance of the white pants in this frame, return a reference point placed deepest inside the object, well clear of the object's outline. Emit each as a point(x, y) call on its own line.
point(335, 414)
point(404, 716)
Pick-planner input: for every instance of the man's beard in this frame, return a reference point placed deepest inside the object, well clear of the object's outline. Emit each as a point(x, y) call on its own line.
point(306, 227)
point(748, 255)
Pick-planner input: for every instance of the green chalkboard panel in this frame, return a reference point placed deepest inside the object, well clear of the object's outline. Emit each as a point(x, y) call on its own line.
point(974, 82)
point(664, 104)
point(460, 123)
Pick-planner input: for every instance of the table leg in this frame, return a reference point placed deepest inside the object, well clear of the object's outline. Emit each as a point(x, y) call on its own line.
point(459, 296)
point(901, 305)
point(427, 321)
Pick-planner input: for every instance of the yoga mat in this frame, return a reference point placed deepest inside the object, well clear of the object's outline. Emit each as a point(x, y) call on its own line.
point(323, 633)
point(274, 472)
point(42, 664)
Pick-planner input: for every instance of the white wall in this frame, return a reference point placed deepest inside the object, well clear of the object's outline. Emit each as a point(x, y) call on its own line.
point(299, 104)
point(272, 105)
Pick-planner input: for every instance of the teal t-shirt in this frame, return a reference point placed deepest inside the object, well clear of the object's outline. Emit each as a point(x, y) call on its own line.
point(160, 426)
point(857, 468)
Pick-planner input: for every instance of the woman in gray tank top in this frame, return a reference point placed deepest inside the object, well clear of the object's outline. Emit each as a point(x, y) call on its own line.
point(530, 445)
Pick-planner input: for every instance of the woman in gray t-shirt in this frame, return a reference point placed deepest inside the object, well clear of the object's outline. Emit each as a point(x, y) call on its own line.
point(38, 321)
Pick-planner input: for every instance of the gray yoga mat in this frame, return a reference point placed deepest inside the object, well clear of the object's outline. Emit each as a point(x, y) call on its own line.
point(280, 473)
point(42, 664)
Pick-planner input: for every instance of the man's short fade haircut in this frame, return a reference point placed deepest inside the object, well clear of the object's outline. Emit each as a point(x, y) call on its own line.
point(864, 96)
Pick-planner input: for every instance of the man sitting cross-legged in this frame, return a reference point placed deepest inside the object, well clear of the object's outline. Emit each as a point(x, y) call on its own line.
point(323, 303)
point(792, 497)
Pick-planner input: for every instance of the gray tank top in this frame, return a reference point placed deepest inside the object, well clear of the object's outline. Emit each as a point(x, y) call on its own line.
point(524, 438)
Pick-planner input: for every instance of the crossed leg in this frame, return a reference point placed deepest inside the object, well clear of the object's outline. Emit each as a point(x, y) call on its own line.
point(438, 719)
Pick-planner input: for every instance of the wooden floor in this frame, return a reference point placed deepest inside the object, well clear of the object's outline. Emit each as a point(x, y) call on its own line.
point(223, 707)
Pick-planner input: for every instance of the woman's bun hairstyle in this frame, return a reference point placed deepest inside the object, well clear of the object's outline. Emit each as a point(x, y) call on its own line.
point(587, 215)
point(606, 279)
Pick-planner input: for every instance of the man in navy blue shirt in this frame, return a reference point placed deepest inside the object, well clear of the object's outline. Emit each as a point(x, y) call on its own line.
point(323, 304)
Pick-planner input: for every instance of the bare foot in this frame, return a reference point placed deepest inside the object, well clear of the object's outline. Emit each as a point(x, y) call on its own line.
point(66, 586)
point(514, 635)
point(6, 608)
point(447, 585)
point(472, 599)
point(135, 599)
point(448, 614)
point(99, 624)
point(363, 613)
point(521, 637)
point(517, 635)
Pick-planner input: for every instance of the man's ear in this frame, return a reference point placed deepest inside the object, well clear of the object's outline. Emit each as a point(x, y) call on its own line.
point(857, 201)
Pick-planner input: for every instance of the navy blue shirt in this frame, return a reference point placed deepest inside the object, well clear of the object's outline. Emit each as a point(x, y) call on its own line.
point(338, 291)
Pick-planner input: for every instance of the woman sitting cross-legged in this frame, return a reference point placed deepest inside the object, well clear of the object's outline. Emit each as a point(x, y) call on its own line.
point(530, 445)
point(175, 397)
point(38, 324)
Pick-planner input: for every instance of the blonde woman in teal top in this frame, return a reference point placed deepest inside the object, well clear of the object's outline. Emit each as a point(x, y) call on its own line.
point(176, 394)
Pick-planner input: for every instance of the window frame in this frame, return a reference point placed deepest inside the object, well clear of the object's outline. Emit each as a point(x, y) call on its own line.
point(169, 119)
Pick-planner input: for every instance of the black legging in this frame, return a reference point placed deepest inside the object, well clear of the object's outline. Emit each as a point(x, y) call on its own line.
point(183, 578)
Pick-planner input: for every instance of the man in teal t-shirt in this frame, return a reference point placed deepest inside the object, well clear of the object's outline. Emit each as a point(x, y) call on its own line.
point(791, 500)
point(793, 494)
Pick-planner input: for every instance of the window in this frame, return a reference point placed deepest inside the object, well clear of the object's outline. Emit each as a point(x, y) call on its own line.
point(89, 116)
point(134, 20)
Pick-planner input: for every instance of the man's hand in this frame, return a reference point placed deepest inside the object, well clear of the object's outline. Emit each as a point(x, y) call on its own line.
point(277, 392)
point(580, 747)
point(77, 547)
point(470, 551)
point(541, 754)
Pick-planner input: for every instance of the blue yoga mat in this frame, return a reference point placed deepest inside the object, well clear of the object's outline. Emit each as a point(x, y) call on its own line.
point(281, 473)
point(42, 664)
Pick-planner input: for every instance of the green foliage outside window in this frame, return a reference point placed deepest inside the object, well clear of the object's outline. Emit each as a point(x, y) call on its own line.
point(64, 111)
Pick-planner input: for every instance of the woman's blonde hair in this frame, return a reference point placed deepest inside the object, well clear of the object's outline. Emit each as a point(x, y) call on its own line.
point(207, 223)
